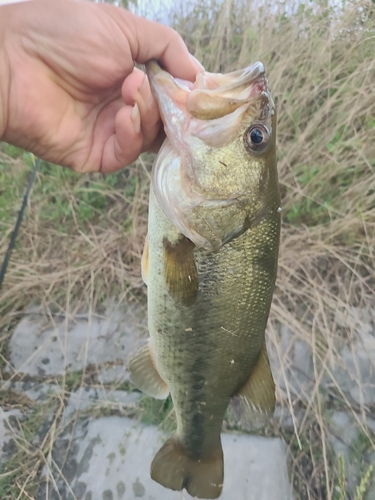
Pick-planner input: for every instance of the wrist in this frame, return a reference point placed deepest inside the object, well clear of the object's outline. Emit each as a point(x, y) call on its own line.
point(4, 75)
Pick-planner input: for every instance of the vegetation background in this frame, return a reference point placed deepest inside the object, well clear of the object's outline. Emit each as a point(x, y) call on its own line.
point(82, 237)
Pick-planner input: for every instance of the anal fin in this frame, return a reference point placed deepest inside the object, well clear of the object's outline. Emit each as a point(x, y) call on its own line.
point(144, 375)
point(254, 404)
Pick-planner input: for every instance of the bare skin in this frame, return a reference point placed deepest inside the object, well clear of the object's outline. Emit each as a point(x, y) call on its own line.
point(69, 91)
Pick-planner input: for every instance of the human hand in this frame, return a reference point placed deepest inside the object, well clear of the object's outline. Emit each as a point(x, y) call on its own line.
point(69, 90)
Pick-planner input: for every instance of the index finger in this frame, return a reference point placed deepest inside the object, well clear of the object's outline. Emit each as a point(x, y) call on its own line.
point(151, 40)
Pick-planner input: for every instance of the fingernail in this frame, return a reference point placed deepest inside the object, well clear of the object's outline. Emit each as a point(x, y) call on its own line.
point(145, 93)
point(197, 63)
point(136, 118)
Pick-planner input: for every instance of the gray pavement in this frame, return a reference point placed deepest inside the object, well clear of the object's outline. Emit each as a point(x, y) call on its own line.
point(110, 459)
point(96, 457)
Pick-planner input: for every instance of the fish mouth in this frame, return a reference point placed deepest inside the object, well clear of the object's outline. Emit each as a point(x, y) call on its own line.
point(212, 95)
point(199, 118)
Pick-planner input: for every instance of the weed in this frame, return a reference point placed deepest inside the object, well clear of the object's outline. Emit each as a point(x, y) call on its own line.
point(361, 489)
point(155, 412)
point(20, 472)
point(365, 480)
point(73, 380)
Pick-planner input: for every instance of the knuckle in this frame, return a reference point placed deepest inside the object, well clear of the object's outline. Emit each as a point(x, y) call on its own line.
point(174, 36)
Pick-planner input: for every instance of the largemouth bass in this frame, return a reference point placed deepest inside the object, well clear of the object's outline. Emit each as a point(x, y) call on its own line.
point(210, 266)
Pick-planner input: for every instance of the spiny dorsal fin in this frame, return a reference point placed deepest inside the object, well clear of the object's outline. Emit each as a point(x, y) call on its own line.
point(254, 404)
point(180, 270)
point(174, 469)
point(145, 376)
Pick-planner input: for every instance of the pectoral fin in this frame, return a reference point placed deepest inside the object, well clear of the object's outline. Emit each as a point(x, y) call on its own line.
point(145, 376)
point(180, 270)
point(254, 404)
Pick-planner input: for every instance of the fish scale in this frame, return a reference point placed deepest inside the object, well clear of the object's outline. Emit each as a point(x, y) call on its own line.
point(210, 279)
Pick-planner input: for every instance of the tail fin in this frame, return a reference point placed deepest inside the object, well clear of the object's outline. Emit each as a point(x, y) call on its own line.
point(173, 469)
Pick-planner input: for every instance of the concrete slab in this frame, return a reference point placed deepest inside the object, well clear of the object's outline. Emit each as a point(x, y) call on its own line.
point(35, 391)
point(9, 429)
point(86, 397)
point(109, 459)
point(292, 365)
point(354, 372)
point(70, 346)
point(114, 374)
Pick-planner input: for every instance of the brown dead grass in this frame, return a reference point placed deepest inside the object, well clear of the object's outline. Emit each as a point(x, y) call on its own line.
point(77, 265)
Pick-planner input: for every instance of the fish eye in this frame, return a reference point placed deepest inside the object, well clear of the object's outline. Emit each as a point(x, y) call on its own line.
point(256, 137)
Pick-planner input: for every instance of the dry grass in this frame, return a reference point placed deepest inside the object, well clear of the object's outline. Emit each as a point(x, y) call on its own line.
point(70, 255)
point(321, 70)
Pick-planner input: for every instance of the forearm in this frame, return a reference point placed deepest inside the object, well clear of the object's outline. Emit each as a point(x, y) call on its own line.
point(4, 74)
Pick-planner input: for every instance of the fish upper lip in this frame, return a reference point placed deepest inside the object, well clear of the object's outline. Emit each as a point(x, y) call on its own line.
point(250, 76)
point(255, 70)
point(213, 95)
